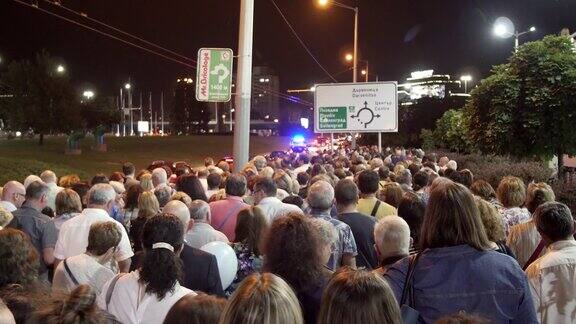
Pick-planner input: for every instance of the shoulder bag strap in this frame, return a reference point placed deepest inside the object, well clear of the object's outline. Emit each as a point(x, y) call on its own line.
point(407, 292)
point(534, 255)
point(110, 290)
point(231, 213)
point(375, 209)
point(67, 268)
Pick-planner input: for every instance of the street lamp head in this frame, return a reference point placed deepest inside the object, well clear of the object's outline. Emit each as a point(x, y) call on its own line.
point(349, 57)
point(504, 27)
point(127, 86)
point(363, 72)
point(88, 94)
point(323, 3)
point(500, 30)
point(60, 68)
point(466, 78)
point(532, 29)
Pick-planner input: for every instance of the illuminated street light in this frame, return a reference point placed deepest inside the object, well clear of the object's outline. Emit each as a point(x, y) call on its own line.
point(127, 86)
point(88, 94)
point(504, 28)
point(323, 3)
point(466, 79)
point(349, 57)
point(60, 68)
point(363, 72)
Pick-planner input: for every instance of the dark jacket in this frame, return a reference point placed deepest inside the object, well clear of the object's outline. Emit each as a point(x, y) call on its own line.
point(200, 271)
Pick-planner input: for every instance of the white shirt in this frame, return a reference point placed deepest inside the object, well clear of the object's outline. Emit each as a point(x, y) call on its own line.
point(273, 208)
point(210, 192)
point(523, 240)
point(132, 305)
point(302, 168)
point(51, 195)
point(85, 269)
point(552, 281)
point(8, 205)
point(73, 235)
point(201, 234)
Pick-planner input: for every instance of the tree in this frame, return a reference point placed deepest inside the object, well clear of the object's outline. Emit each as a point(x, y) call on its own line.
point(451, 132)
point(526, 108)
point(42, 99)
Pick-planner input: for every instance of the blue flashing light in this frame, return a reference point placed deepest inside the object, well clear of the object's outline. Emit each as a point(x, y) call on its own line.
point(298, 139)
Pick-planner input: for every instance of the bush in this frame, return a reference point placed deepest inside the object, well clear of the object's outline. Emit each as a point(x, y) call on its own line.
point(494, 168)
point(19, 169)
point(566, 193)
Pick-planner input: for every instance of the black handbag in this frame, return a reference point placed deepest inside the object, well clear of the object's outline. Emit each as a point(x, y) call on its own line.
point(409, 314)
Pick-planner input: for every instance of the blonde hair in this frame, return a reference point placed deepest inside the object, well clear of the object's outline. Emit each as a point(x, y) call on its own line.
point(183, 197)
point(263, 298)
point(5, 217)
point(146, 182)
point(148, 205)
point(68, 201)
point(491, 220)
point(511, 192)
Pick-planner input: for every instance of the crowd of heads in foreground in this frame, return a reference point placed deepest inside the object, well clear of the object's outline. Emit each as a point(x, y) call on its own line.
point(338, 237)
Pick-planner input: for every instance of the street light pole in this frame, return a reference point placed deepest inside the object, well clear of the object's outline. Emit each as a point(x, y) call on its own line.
point(354, 79)
point(244, 88)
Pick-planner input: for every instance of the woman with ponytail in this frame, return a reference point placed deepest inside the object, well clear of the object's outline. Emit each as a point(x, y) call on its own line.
point(147, 294)
point(79, 307)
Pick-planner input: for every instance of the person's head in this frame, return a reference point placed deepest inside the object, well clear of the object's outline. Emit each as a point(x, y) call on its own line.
point(283, 181)
point(191, 185)
point(200, 211)
point(251, 227)
point(146, 182)
point(6, 315)
point(554, 222)
point(491, 220)
point(18, 259)
point(148, 205)
point(224, 166)
point(103, 239)
point(294, 200)
point(162, 240)
point(483, 189)
point(293, 250)
point(358, 297)
point(264, 187)
point(196, 309)
point(77, 307)
point(128, 169)
point(180, 210)
point(48, 176)
point(537, 194)
point(303, 178)
point(419, 180)
point(263, 298)
point(5, 217)
point(452, 218)
point(368, 182)
point(68, 202)
point(208, 161)
point(412, 208)
point(14, 192)
point(259, 162)
point(132, 195)
point(266, 172)
point(452, 165)
point(404, 177)
point(235, 185)
point(391, 193)
point(102, 196)
point(443, 161)
point(511, 192)
point(466, 177)
point(82, 190)
point(214, 180)
point(163, 193)
point(328, 237)
point(117, 176)
point(159, 176)
point(99, 178)
point(31, 178)
point(392, 237)
point(320, 196)
point(183, 197)
point(346, 193)
point(36, 194)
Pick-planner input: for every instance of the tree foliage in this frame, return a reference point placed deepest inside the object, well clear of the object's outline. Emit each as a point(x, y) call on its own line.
point(42, 100)
point(451, 132)
point(526, 108)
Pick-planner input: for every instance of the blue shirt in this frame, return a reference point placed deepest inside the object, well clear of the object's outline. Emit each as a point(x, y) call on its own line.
point(460, 278)
point(345, 243)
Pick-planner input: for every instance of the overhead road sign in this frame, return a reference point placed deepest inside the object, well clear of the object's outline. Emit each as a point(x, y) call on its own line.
point(214, 74)
point(356, 107)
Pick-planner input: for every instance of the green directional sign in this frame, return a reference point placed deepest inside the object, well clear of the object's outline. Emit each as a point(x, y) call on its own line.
point(332, 118)
point(214, 74)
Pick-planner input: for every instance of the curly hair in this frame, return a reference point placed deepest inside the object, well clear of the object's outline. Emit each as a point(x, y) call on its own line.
point(78, 307)
point(161, 268)
point(18, 259)
point(538, 194)
point(491, 220)
point(293, 251)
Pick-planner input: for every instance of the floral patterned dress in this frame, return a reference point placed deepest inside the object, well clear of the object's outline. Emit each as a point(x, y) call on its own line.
point(248, 263)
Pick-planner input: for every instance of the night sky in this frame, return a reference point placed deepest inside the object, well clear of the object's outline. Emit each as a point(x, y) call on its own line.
point(397, 37)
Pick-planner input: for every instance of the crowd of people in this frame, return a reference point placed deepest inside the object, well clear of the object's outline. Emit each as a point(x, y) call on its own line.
point(342, 236)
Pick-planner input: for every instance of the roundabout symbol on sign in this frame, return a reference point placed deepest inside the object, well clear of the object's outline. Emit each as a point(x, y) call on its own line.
point(365, 115)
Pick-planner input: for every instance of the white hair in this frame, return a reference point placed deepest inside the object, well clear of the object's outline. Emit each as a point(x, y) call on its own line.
point(199, 210)
point(159, 176)
point(101, 194)
point(48, 176)
point(392, 236)
point(118, 187)
point(31, 178)
point(452, 165)
point(320, 195)
point(259, 162)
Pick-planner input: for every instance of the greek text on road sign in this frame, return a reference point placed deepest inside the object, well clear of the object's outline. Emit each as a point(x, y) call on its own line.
point(356, 107)
point(214, 74)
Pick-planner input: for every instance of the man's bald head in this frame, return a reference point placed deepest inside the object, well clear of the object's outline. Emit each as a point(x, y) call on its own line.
point(14, 192)
point(180, 210)
point(321, 195)
point(48, 176)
